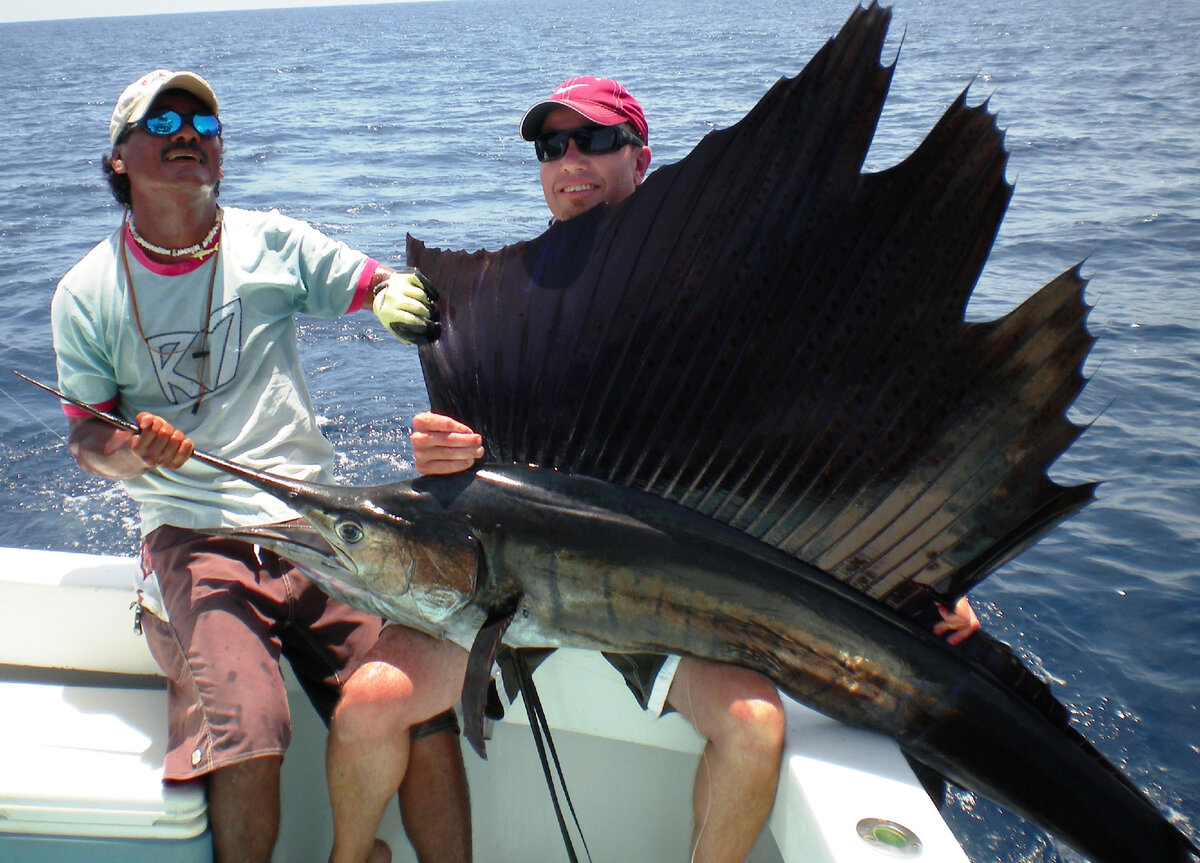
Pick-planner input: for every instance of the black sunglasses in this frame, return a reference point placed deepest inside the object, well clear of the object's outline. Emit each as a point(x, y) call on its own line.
point(167, 122)
point(591, 140)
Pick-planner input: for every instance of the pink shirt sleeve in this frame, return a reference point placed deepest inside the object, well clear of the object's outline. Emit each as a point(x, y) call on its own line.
point(364, 282)
point(72, 411)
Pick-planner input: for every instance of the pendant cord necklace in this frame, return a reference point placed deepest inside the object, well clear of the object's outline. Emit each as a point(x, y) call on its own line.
point(197, 251)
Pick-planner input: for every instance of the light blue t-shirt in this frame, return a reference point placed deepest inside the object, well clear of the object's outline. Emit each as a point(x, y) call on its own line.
point(255, 408)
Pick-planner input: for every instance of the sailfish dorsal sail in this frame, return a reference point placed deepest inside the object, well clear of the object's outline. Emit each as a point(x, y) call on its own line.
point(766, 334)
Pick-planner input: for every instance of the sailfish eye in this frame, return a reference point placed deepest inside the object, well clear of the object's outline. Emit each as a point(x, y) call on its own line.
point(350, 531)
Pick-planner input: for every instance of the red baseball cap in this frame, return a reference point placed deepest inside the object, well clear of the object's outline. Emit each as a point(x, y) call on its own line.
point(601, 100)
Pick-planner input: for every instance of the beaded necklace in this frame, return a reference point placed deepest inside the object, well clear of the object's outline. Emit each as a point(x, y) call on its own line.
point(195, 250)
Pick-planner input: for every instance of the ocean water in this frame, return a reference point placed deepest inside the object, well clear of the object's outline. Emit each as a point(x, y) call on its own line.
point(375, 121)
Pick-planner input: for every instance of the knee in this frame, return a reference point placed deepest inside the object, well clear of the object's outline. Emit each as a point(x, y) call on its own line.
point(755, 725)
point(374, 705)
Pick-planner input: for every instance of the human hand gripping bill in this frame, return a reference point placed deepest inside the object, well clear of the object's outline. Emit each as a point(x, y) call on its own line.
point(404, 304)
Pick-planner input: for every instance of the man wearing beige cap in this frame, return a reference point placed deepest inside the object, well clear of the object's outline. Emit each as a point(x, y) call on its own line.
point(183, 318)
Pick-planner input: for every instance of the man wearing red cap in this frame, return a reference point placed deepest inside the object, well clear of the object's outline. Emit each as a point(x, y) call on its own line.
point(610, 154)
point(585, 160)
point(591, 139)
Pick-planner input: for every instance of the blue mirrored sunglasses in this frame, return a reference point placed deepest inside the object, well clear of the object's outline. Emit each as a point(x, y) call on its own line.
point(591, 140)
point(167, 122)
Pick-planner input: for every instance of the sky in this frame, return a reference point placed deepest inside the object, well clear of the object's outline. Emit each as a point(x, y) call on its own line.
point(45, 10)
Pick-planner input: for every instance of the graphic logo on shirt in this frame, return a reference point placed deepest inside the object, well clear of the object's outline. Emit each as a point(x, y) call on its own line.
point(184, 358)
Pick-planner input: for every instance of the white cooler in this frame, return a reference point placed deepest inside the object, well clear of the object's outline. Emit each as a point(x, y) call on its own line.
point(83, 722)
point(81, 778)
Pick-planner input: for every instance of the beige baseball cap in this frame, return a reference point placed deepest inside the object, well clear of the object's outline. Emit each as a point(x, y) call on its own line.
point(140, 95)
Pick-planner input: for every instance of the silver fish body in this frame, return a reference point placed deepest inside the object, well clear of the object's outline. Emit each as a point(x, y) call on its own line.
point(590, 564)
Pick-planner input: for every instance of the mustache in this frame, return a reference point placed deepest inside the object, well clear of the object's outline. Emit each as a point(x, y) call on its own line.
point(185, 147)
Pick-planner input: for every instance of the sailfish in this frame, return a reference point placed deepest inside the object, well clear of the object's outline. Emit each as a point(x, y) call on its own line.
point(740, 416)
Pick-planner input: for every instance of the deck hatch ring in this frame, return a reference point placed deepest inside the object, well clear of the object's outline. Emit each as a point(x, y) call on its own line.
point(889, 838)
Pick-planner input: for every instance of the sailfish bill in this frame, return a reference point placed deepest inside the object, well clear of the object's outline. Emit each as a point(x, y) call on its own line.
point(739, 416)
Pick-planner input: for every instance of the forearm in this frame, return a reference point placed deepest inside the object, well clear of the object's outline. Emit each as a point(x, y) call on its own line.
point(103, 450)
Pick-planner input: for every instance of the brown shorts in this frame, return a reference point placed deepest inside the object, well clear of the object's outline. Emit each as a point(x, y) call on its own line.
point(648, 676)
point(233, 609)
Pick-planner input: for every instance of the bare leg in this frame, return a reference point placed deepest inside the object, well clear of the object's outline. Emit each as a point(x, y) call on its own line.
point(243, 809)
point(434, 800)
point(407, 678)
point(740, 714)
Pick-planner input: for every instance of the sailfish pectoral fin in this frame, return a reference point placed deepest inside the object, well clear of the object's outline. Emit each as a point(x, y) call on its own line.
point(478, 678)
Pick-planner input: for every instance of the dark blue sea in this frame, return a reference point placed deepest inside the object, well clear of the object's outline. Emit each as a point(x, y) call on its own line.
point(374, 121)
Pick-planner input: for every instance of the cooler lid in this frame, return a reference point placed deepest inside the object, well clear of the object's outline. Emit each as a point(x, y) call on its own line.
point(87, 761)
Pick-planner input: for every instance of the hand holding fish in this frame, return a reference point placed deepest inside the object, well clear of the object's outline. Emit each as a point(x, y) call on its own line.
point(404, 304)
point(958, 624)
point(443, 445)
point(160, 444)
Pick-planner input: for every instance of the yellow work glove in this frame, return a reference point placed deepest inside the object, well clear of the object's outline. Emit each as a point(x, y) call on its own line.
point(404, 304)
